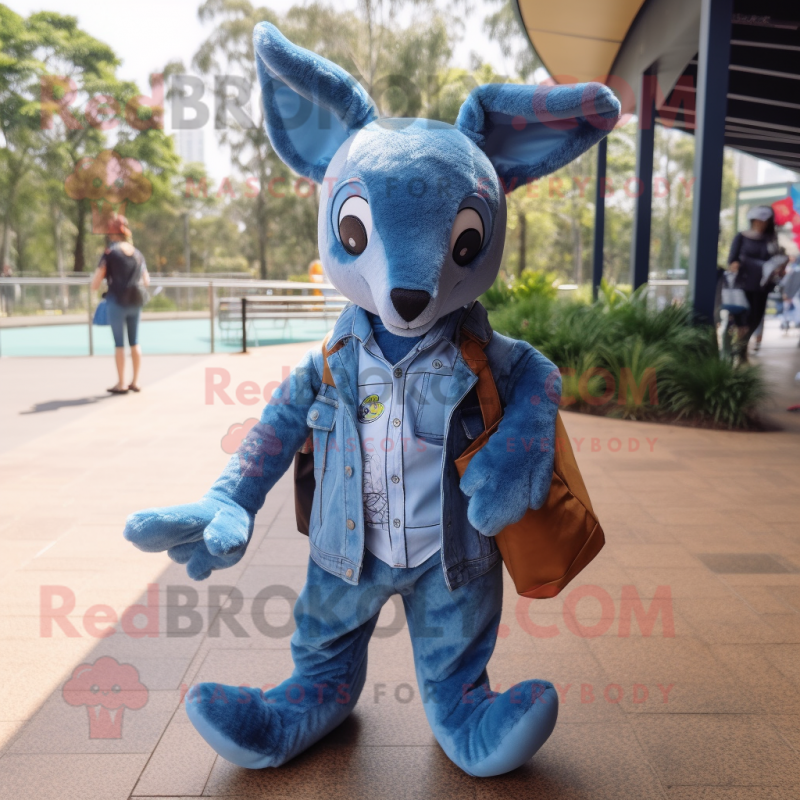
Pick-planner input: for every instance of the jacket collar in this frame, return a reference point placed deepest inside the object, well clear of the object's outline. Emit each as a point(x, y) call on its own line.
point(353, 321)
point(476, 321)
point(350, 323)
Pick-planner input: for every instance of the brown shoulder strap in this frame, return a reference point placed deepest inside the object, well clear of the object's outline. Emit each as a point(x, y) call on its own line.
point(489, 399)
point(327, 378)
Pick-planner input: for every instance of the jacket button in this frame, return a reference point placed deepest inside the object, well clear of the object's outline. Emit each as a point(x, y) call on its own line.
point(395, 479)
point(398, 373)
point(314, 414)
point(396, 422)
point(350, 524)
point(397, 523)
point(348, 471)
point(437, 364)
point(349, 574)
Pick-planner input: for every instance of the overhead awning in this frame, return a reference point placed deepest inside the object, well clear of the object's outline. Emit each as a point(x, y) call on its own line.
point(581, 40)
point(763, 117)
point(578, 40)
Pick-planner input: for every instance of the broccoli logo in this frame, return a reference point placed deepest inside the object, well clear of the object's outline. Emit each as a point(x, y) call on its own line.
point(106, 688)
point(109, 182)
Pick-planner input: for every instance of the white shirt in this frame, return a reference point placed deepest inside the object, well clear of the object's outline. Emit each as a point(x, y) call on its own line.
point(402, 417)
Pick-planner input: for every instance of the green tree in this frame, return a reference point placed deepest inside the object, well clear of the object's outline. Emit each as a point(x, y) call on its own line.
point(229, 49)
point(59, 94)
point(19, 75)
point(505, 27)
point(403, 68)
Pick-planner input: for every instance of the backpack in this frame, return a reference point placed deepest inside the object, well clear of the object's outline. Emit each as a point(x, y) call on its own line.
point(127, 292)
point(549, 546)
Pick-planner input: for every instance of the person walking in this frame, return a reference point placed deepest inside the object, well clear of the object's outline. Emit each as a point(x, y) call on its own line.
point(750, 251)
point(123, 267)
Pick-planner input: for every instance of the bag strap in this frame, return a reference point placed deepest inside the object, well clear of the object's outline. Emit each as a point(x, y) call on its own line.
point(327, 378)
point(486, 389)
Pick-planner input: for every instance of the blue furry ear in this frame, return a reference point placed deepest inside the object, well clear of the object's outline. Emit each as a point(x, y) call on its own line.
point(530, 131)
point(311, 105)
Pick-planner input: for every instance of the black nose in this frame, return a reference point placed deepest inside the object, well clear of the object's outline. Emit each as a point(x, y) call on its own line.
point(410, 303)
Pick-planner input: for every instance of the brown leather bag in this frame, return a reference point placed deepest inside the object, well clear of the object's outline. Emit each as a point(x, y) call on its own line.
point(549, 546)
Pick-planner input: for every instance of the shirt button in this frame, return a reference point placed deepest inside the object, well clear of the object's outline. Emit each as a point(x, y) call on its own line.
point(397, 523)
point(348, 471)
point(349, 574)
point(395, 479)
point(314, 414)
point(437, 364)
point(396, 423)
point(350, 524)
point(398, 373)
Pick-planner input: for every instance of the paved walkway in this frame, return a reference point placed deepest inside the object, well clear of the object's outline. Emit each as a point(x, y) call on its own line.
point(780, 357)
point(698, 699)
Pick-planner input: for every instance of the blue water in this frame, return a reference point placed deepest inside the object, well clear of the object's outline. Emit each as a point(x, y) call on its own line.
point(155, 336)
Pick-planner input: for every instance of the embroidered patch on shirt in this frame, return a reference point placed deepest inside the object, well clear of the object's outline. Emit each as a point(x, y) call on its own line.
point(370, 409)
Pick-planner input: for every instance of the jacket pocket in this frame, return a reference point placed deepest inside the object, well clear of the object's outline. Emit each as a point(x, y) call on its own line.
point(321, 418)
point(430, 421)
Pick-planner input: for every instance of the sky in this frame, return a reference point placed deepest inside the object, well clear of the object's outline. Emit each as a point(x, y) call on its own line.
point(147, 34)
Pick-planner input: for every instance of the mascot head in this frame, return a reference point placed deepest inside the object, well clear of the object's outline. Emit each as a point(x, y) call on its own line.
point(412, 214)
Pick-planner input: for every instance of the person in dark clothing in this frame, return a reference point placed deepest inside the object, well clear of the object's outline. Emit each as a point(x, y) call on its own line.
point(123, 268)
point(750, 250)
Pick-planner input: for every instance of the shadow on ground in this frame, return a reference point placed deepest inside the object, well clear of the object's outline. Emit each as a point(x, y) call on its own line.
point(54, 405)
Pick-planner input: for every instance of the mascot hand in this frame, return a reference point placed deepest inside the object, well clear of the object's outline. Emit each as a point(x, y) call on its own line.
point(208, 535)
point(503, 485)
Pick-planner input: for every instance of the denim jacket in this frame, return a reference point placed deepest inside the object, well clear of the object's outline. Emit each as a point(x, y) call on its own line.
point(304, 403)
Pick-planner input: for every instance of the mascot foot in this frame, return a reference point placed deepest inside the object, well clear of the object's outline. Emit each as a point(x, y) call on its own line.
point(503, 731)
point(255, 730)
point(237, 723)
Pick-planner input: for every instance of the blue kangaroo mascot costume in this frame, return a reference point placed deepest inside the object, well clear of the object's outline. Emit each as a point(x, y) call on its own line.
point(412, 220)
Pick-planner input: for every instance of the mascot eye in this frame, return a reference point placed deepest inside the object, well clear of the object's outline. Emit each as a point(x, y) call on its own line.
point(467, 236)
point(355, 225)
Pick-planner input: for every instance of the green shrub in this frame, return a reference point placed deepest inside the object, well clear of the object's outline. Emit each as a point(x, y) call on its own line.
point(497, 295)
point(638, 369)
point(611, 295)
point(637, 362)
point(527, 319)
point(530, 284)
point(709, 388)
point(671, 328)
point(534, 284)
point(574, 330)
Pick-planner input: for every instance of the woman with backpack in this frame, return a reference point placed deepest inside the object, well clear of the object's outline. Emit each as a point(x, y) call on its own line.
point(123, 268)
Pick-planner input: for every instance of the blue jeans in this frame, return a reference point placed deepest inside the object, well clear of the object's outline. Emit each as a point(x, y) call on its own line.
point(120, 316)
point(453, 636)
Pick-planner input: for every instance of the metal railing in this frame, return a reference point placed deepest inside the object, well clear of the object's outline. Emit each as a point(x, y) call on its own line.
point(31, 301)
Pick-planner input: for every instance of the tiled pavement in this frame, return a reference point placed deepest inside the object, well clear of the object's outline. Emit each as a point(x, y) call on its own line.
point(700, 701)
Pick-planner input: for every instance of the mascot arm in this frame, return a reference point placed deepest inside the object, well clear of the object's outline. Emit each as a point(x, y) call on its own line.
point(514, 469)
point(214, 532)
